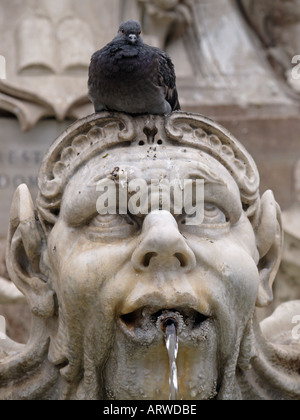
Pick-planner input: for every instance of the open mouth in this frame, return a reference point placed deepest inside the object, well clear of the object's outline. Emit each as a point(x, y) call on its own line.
point(149, 324)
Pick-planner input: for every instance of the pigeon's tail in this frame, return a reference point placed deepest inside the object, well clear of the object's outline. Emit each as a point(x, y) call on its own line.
point(172, 98)
point(176, 106)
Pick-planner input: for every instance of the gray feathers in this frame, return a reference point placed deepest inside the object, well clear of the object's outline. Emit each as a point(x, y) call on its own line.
point(129, 76)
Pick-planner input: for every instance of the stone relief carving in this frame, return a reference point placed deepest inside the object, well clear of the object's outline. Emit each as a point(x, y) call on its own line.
point(47, 47)
point(200, 37)
point(287, 285)
point(165, 19)
point(65, 42)
point(278, 25)
point(97, 284)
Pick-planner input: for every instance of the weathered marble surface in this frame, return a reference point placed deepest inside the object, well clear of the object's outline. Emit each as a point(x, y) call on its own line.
point(277, 24)
point(95, 283)
point(287, 286)
point(221, 68)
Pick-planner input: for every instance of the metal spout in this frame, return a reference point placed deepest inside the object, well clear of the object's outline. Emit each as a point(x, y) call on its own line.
point(169, 323)
point(170, 319)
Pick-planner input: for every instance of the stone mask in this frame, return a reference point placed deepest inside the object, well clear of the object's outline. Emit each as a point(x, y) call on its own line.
point(97, 284)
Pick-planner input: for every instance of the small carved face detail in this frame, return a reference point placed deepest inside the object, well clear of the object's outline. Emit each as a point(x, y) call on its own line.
point(115, 275)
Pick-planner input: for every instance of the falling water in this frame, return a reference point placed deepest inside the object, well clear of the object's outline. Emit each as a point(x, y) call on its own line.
point(172, 347)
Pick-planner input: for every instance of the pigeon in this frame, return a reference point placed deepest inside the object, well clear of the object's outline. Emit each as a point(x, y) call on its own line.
point(130, 76)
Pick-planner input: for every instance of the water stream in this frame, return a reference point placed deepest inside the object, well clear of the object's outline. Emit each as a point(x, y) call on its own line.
point(172, 347)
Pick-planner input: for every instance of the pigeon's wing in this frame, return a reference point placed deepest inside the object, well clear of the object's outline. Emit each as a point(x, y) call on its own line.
point(167, 78)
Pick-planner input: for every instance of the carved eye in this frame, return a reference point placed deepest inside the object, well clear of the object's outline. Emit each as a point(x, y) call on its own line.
point(111, 227)
point(213, 218)
point(105, 221)
point(213, 215)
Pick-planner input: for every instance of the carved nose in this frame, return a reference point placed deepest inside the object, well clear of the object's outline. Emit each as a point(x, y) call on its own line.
point(162, 245)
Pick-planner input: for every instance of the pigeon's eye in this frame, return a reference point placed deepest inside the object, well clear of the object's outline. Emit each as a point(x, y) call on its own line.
point(123, 31)
point(140, 32)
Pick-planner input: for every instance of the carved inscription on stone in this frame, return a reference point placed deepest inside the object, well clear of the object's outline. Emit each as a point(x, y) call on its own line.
point(20, 158)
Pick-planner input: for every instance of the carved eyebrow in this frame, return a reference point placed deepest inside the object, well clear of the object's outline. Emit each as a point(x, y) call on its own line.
point(208, 177)
point(219, 190)
point(198, 170)
point(226, 198)
point(80, 206)
point(79, 203)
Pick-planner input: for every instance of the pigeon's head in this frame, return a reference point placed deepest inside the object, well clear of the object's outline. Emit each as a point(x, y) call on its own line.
point(131, 31)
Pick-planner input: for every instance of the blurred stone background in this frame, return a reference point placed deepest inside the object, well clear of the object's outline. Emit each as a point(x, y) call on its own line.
point(237, 61)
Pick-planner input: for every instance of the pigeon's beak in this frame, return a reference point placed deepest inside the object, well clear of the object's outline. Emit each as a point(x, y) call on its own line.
point(132, 38)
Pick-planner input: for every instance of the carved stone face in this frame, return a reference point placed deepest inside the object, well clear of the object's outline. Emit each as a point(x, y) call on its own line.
point(114, 275)
point(99, 284)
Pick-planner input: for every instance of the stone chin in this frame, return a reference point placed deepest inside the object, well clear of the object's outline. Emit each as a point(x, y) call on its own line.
point(138, 364)
point(140, 361)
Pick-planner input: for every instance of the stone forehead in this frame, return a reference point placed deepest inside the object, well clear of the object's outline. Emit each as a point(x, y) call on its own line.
point(99, 133)
point(152, 163)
